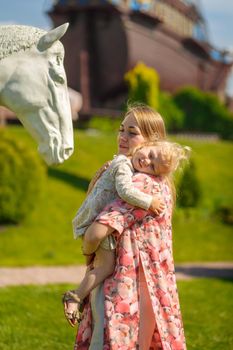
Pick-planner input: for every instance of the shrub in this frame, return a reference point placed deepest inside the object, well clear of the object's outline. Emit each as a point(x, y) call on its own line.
point(204, 112)
point(21, 179)
point(143, 85)
point(103, 123)
point(171, 113)
point(189, 191)
point(224, 212)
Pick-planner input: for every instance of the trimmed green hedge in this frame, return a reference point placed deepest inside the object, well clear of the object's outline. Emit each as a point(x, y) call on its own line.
point(104, 123)
point(204, 112)
point(173, 116)
point(21, 179)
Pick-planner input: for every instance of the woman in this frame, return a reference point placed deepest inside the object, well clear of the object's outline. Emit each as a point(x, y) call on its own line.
point(138, 307)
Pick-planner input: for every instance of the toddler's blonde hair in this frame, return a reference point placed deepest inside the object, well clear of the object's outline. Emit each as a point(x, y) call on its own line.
point(170, 157)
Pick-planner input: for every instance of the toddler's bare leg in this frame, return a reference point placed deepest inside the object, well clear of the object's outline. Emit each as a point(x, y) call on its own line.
point(94, 234)
point(104, 265)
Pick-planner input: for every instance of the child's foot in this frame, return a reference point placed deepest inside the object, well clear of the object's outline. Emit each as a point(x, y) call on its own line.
point(72, 305)
point(72, 311)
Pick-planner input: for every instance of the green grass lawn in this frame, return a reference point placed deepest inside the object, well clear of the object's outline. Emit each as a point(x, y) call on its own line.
point(214, 169)
point(32, 317)
point(45, 237)
point(207, 313)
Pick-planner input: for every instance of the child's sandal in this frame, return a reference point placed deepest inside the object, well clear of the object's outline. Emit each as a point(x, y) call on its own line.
point(72, 317)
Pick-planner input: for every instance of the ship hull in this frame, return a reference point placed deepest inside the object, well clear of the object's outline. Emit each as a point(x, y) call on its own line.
point(102, 44)
point(180, 62)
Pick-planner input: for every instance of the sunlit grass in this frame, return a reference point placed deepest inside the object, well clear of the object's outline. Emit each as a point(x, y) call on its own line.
point(207, 313)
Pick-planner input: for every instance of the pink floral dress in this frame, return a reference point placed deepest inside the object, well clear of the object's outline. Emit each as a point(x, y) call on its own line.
point(141, 302)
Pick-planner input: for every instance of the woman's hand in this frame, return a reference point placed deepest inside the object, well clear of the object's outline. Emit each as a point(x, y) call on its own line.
point(97, 176)
point(157, 205)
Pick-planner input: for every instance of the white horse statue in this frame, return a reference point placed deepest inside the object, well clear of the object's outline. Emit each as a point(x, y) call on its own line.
point(33, 85)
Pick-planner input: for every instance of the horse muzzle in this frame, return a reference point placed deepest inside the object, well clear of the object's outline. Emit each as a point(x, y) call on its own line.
point(54, 153)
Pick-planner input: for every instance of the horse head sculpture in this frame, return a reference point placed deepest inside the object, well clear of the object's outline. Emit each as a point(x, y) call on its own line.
point(33, 85)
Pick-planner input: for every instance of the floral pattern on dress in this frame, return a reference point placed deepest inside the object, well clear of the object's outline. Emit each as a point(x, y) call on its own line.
point(141, 237)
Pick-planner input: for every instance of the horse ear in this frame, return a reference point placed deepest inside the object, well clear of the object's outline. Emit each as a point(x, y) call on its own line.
point(53, 35)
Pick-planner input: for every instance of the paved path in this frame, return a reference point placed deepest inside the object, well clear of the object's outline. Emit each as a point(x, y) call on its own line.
point(74, 274)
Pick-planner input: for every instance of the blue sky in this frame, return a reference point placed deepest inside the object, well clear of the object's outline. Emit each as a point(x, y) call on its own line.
point(218, 14)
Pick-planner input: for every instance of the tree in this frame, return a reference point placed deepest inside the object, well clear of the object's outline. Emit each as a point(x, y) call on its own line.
point(143, 83)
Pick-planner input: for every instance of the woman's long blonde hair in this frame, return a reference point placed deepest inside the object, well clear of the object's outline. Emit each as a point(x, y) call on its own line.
point(149, 121)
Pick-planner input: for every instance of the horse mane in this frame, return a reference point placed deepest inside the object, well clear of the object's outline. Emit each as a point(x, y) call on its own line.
point(15, 38)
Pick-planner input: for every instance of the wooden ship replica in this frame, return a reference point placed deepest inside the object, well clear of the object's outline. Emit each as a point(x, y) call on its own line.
point(107, 38)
